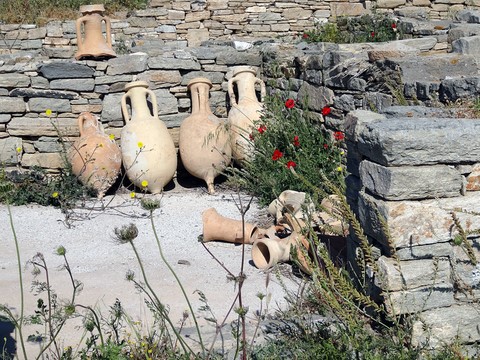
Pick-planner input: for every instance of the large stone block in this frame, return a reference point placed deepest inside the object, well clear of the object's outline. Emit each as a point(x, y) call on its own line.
point(44, 160)
point(457, 323)
point(25, 126)
point(452, 89)
point(40, 105)
point(469, 45)
point(167, 103)
point(412, 223)
point(8, 150)
point(112, 110)
point(32, 93)
point(420, 299)
point(171, 63)
point(14, 80)
point(65, 70)
point(127, 64)
point(315, 97)
point(230, 56)
point(10, 105)
point(418, 141)
point(47, 144)
point(396, 275)
point(411, 182)
point(161, 78)
point(73, 84)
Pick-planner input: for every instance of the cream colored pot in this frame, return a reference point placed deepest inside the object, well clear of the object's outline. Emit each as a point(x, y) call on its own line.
point(204, 145)
point(95, 158)
point(148, 151)
point(244, 112)
point(91, 42)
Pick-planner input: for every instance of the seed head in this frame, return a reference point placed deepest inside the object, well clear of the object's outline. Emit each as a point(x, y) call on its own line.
point(127, 233)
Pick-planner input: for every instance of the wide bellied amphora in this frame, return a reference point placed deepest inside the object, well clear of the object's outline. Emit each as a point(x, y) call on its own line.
point(204, 145)
point(95, 157)
point(91, 42)
point(148, 151)
point(243, 112)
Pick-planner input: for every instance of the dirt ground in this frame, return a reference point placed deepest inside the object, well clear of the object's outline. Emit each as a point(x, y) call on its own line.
point(100, 263)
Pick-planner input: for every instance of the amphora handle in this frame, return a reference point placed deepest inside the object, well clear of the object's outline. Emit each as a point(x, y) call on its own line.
point(231, 93)
point(86, 116)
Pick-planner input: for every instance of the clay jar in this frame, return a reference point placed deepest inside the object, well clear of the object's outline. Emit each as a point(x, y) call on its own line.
point(148, 151)
point(244, 112)
point(217, 227)
point(204, 145)
point(95, 157)
point(274, 248)
point(93, 44)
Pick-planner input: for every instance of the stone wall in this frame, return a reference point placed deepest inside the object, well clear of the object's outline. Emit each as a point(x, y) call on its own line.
point(188, 23)
point(413, 175)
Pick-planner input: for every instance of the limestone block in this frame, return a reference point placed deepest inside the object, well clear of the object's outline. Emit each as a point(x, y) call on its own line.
point(339, 9)
point(93, 108)
point(197, 16)
point(402, 275)
point(167, 102)
point(73, 84)
point(473, 179)
point(65, 70)
point(269, 17)
point(127, 64)
point(420, 299)
point(437, 327)
point(316, 97)
point(231, 56)
point(390, 4)
point(297, 13)
point(181, 5)
point(5, 118)
point(176, 15)
point(143, 22)
point(468, 45)
point(47, 144)
point(171, 63)
point(256, 9)
point(101, 80)
point(8, 150)
point(25, 126)
point(465, 270)
point(157, 12)
point(40, 105)
point(413, 223)
point(12, 105)
point(280, 27)
point(411, 182)
point(195, 37)
point(44, 160)
point(217, 4)
point(214, 77)
point(235, 18)
point(30, 93)
point(429, 251)
point(161, 78)
point(12, 80)
point(111, 108)
point(420, 141)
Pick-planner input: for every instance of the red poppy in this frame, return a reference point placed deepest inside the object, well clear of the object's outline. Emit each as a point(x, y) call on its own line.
point(277, 154)
point(290, 103)
point(338, 135)
point(296, 142)
point(326, 110)
point(251, 137)
point(262, 129)
point(305, 36)
point(291, 164)
point(325, 146)
point(394, 26)
point(372, 34)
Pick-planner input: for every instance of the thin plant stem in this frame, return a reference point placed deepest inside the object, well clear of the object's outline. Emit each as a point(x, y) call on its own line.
point(22, 303)
point(178, 282)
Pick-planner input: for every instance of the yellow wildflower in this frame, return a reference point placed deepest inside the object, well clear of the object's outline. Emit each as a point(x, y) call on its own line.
point(339, 168)
point(140, 144)
point(111, 136)
point(144, 183)
point(19, 149)
point(342, 152)
point(48, 112)
point(55, 195)
point(100, 145)
point(132, 195)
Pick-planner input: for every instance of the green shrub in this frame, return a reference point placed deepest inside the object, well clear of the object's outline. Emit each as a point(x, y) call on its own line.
point(288, 138)
point(347, 30)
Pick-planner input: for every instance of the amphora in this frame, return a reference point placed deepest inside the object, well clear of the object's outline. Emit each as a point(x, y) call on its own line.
point(204, 145)
point(91, 42)
point(148, 151)
point(243, 112)
point(95, 157)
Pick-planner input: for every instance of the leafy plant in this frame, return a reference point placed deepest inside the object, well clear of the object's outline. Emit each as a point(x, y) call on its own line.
point(288, 136)
point(347, 30)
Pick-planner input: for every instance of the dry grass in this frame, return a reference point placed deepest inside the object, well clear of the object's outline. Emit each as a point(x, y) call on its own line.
point(41, 11)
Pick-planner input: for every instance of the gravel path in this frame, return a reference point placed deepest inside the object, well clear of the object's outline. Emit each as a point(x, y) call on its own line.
point(101, 264)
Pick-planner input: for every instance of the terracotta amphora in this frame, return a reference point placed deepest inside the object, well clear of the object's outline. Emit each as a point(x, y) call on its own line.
point(95, 157)
point(204, 145)
point(93, 43)
point(276, 245)
point(148, 151)
point(243, 112)
point(218, 227)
